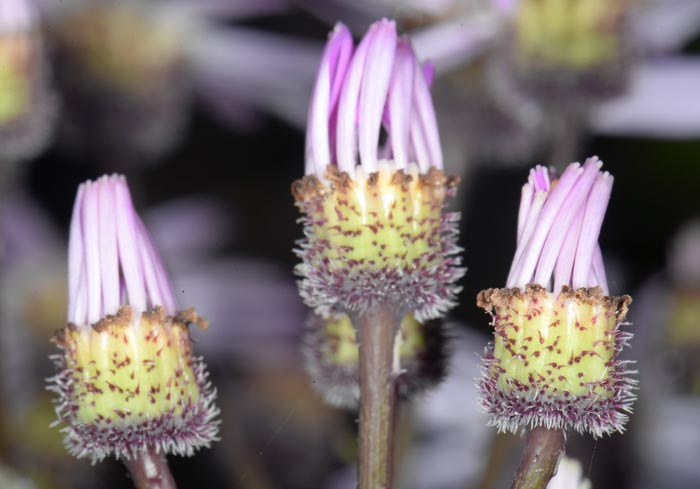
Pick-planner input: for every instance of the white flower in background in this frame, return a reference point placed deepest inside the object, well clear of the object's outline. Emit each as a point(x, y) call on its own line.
point(569, 476)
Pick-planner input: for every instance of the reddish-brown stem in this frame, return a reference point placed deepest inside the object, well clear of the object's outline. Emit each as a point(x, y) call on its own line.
point(149, 470)
point(543, 449)
point(376, 330)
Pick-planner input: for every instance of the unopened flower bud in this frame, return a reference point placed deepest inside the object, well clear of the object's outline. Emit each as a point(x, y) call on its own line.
point(128, 380)
point(555, 359)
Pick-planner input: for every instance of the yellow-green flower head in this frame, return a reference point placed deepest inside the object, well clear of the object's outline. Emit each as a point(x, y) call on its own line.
point(127, 377)
point(331, 355)
point(374, 189)
point(27, 104)
point(555, 360)
point(99, 34)
point(120, 66)
point(571, 45)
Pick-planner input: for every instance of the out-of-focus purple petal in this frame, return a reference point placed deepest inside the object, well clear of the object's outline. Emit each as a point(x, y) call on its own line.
point(271, 71)
point(662, 101)
point(25, 232)
point(206, 222)
point(453, 43)
point(229, 9)
point(665, 25)
point(254, 309)
point(17, 15)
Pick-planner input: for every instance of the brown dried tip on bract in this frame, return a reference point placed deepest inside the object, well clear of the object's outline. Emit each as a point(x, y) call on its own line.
point(489, 299)
point(190, 316)
point(310, 186)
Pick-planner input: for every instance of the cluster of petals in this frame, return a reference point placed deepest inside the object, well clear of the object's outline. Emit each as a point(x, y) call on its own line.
point(360, 92)
point(111, 257)
point(558, 227)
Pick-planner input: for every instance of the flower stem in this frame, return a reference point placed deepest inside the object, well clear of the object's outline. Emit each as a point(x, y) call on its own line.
point(377, 329)
point(543, 449)
point(149, 470)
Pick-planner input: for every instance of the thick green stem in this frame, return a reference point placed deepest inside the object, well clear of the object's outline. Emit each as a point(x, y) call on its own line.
point(150, 470)
point(377, 329)
point(543, 449)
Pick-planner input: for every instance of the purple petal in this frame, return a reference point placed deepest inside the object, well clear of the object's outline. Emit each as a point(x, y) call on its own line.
point(374, 89)
point(426, 112)
point(75, 256)
point(128, 254)
point(330, 76)
point(592, 223)
point(91, 230)
point(525, 203)
point(565, 260)
point(399, 105)
point(599, 270)
point(109, 262)
point(346, 137)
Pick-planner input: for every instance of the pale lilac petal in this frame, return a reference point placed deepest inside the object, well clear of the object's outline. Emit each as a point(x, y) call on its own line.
point(346, 137)
point(525, 203)
point(328, 81)
point(529, 250)
point(91, 230)
point(662, 102)
point(419, 145)
point(127, 245)
point(400, 97)
point(573, 202)
point(599, 270)
point(426, 113)
point(565, 260)
point(540, 178)
point(428, 72)
point(148, 265)
point(109, 263)
point(374, 89)
point(165, 288)
point(79, 312)
point(528, 228)
point(75, 255)
point(592, 223)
